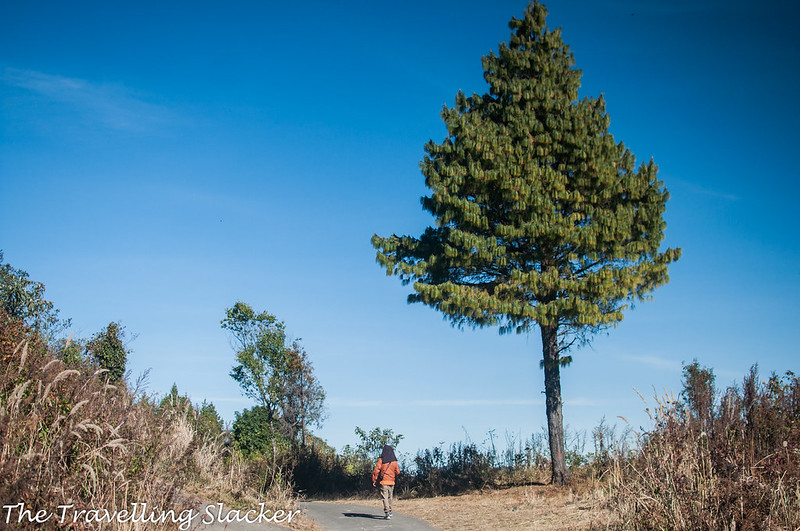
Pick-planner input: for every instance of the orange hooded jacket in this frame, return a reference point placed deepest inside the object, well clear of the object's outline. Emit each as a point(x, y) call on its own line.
point(389, 470)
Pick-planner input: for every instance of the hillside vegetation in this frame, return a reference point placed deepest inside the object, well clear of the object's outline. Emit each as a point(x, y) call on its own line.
point(69, 437)
point(75, 432)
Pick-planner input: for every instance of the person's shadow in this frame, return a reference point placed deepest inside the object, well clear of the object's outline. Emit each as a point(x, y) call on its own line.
point(363, 515)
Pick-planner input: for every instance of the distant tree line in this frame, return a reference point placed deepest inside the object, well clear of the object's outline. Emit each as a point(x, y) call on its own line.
point(271, 369)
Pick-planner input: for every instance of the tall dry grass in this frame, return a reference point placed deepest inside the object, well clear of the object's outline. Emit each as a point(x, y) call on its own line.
point(730, 466)
point(69, 437)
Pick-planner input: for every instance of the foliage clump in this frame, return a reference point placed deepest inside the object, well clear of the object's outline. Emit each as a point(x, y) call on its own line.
point(107, 348)
point(23, 299)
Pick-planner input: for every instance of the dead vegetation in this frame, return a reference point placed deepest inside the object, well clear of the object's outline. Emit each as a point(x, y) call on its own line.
point(514, 509)
point(726, 464)
point(711, 461)
point(70, 438)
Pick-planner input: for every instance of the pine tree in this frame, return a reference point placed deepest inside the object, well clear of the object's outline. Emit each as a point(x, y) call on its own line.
point(541, 217)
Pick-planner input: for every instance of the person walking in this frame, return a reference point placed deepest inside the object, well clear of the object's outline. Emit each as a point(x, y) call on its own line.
point(386, 470)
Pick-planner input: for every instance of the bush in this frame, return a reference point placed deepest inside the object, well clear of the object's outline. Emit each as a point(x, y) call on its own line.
point(318, 470)
point(463, 468)
point(717, 465)
point(254, 433)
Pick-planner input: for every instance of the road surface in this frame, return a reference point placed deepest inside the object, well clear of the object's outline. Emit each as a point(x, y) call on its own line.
point(346, 516)
point(214, 517)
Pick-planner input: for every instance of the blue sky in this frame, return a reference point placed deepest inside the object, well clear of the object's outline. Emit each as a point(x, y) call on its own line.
point(160, 161)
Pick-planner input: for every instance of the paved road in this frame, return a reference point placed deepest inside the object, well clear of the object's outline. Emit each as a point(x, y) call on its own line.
point(225, 519)
point(345, 516)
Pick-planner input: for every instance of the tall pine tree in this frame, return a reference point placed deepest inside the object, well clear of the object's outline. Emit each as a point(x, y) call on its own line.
point(541, 217)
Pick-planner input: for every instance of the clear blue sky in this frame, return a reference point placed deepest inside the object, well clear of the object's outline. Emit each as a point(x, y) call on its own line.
point(161, 160)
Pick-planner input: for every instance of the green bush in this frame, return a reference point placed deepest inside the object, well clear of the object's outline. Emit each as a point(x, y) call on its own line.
point(254, 433)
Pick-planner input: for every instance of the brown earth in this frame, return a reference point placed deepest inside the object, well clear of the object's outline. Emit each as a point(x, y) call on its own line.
point(535, 507)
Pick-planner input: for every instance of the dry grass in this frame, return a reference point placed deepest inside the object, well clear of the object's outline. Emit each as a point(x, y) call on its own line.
point(532, 507)
point(69, 437)
point(731, 467)
point(518, 508)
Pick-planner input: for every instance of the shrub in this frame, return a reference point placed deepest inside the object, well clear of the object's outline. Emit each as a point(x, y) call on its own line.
point(255, 433)
point(463, 468)
point(733, 465)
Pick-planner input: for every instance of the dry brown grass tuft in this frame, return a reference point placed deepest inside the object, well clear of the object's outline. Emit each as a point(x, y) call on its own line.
point(541, 507)
point(733, 467)
point(68, 437)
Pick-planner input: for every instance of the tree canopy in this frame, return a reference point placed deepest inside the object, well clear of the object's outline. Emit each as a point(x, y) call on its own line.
point(541, 217)
point(23, 298)
point(260, 354)
point(275, 373)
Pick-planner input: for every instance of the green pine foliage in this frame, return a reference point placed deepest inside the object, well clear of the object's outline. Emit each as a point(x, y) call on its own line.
point(209, 423)
point(541, 217)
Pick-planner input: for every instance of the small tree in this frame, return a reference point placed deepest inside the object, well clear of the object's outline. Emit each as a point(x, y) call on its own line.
point(302, 399)
point(699, 391)
point(23, 299)
point(108, 349)
point(261, 355)
point(254, 432)
point(361, 458)
point(208, 423)
point(205, 419)
point(174, 401)
point(278, 376)
point(541, 217)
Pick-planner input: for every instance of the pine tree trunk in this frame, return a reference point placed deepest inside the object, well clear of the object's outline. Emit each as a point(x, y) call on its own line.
point(552, 389)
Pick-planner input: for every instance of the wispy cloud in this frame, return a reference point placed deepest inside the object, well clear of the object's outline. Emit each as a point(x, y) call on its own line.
point(697, 189)
point(112, 107)
point(584, 402)
point(654, 361)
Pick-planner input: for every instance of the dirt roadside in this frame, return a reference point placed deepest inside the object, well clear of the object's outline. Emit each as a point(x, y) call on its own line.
point(539, 507)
